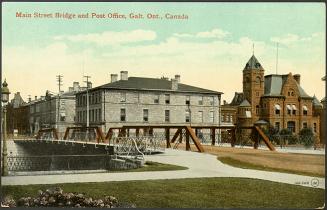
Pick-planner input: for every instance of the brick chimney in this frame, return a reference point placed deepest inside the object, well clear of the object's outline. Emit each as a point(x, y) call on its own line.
point(174, 84)
point(113, 78)
point(297, 78)
point(124, 75)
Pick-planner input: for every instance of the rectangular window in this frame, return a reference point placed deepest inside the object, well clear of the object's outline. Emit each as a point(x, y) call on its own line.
point(167, 98)
point(277, 126)
point(294, 109)
point(289, 109)
point(187, 100)
point(156, 99)
point(99, 113)
point(315, 127)
point(211, 116)
point(200, 116)
point(187, 116)
point(222, 118)
point(145, 115)
point(212, 101)
point(96, 115)
point(122, 115)
point(305, 125)
point(167, 113)
point(201, 100)
point(122, 97)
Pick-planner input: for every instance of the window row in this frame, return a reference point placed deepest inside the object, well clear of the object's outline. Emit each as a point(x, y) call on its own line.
point(94, 98)
point(94, 115)
point(188, 116)
point(291, 109)
point(291, 126)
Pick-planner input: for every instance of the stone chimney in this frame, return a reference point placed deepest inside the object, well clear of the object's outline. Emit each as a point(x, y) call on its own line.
point(113, 78)
point(174, 84)
point(178, 78)
point(297, 78)
point(225, 102)
point(35, 97)
point(75, 86)
point(124, 75)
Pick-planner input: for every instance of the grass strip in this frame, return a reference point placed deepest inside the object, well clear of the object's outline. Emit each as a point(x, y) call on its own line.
point(246, 165)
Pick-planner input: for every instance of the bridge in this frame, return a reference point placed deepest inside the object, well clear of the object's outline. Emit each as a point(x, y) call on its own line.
point(89, 147)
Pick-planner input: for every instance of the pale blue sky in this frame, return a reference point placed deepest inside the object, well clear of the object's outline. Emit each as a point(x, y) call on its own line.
point(39, 49)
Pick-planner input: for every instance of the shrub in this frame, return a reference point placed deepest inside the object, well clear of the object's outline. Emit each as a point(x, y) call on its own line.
point(306, 137)
point(287, 135)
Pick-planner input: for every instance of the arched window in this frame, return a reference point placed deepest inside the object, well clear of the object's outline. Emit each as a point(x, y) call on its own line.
point(257, 80)
point(257, 109)
point(247, 79)
point(305, 110)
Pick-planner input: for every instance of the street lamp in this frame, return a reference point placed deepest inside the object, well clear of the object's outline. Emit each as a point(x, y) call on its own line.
point(4, 98)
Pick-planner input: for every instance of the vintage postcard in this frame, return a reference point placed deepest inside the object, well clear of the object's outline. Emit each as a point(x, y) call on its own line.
point(163, 104)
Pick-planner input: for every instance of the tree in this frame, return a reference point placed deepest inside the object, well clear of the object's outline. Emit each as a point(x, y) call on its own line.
point(306, 137)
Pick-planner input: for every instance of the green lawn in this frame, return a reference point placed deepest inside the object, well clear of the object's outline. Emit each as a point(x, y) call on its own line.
point(240, 164)
point(197, 193)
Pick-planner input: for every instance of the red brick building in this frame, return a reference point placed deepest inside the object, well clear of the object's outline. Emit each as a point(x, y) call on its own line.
point(277, 99)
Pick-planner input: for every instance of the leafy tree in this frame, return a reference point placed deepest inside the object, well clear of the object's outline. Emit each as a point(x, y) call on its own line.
point(306, 137)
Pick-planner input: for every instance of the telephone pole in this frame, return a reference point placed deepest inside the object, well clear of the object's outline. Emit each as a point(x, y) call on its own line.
point(87, 100)
point(59, 80)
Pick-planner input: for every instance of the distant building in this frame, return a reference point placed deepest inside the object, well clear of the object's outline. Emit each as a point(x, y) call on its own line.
point(53, 110)
point(147, 101)
point(277, 99)
point(17, 116)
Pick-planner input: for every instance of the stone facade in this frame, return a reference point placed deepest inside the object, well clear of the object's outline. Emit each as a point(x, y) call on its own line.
point(159, 102)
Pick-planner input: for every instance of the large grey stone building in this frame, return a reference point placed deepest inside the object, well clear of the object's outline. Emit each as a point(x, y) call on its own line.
point(147, 101)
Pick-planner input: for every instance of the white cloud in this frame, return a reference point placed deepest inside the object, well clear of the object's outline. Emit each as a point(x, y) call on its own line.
point(286, 39)
point(111, 37)
point(216, 64)
point(214, 33)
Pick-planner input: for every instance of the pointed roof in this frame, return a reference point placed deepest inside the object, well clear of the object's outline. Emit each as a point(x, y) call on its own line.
point(253, 63)
point(237, 100)
point(316, 102)
point(245, 103)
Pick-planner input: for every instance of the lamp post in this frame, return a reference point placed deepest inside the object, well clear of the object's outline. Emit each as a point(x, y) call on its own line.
point(5, 98)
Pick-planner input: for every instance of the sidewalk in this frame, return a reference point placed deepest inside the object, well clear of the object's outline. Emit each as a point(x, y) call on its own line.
point(199, 164)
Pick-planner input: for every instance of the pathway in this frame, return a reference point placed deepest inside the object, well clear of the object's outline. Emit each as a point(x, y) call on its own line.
point(199, 164)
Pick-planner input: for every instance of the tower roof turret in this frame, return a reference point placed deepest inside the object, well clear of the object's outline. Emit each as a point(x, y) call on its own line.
point(253, 63)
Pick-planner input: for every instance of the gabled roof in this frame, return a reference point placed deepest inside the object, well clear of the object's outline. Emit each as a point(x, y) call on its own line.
point(274, 84)
point(142, 83)
point(253, 63)
point(245, 103)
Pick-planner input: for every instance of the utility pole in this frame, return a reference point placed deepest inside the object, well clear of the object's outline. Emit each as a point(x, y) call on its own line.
point(87, 100)
point(59, 80)
point(277, 58)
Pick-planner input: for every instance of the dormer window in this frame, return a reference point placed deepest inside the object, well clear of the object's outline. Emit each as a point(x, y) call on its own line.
point(257, 65)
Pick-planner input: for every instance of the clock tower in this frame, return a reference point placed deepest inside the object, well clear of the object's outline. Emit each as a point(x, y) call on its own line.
point(253, 85)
